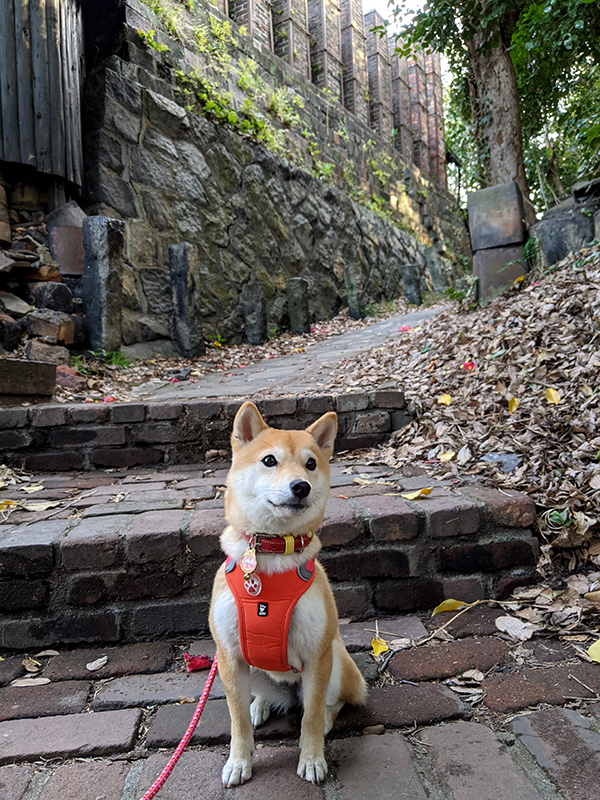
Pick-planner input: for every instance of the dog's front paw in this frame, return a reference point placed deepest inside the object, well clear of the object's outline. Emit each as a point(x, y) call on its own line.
point(312, 769)
point(259, 712)
point(236, 771)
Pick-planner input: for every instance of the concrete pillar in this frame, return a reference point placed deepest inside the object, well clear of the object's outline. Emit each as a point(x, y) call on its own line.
point(403, 140)
point(187, 316)
point(297, 296)
point(354, 59)
point(253, 308)
point(104, 250)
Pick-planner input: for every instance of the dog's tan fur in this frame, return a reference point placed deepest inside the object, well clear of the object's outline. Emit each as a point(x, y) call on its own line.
point(259, 500)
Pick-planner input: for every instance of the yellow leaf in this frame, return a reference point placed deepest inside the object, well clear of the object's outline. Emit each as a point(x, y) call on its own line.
point(586, 390)
point(445, 400)
point(448, 605)
point(513, 404)
point(31, 489)
point(6, 504)
point(42, 505)
point(447, 456)
point(552, 396)
point(594, 651)
point(518, 279)
point(419, 493)
point(379, 646)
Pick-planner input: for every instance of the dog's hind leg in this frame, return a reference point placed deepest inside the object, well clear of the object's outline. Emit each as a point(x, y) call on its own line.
point(269, 695)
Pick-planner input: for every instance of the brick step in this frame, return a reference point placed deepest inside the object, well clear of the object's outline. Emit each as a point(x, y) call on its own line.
point(133, 557)
point(99, 436)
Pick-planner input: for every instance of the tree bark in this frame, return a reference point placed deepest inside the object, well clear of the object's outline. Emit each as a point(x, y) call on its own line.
point(497, 115)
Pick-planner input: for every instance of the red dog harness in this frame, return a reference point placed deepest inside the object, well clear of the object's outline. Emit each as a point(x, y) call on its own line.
point(265, 604)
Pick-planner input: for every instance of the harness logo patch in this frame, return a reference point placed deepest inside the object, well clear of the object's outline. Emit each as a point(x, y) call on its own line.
point(263, 609)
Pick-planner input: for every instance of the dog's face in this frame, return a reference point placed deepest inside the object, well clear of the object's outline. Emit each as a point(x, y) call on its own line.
point(279, 480)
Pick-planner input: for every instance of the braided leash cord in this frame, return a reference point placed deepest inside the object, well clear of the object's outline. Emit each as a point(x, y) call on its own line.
point(168, 768)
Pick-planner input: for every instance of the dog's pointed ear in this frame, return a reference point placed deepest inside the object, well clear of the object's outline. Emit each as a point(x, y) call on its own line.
point(324, 431)
point(247, 424)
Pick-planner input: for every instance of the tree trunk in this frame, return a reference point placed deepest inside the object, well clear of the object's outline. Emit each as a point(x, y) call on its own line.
point(497, 116)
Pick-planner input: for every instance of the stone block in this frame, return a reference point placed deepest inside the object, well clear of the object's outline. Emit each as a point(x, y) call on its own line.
point(13, 417)
point(124, 660)
point(101, 779)
point(351, 600)
point(357, 636)
point(297, 298)
point(10, 668)
point(70, 378)
point(320, 404)
point(185, 292)
point(10, 332)
point(70, 628)
point(153, 689)
point(72, 736)
point(206, 526)
point(35, 350)
point(14, 440)
point(174, 617)
point(372, 422)
point(352, 401)
point(195, 768)
point(380, 563)
point(388, 398)
point(388, 518)
point(376, 767)
point(51, 294)
point(28, 549)
point(128, 412)
point(445, 659)
point(473, 763)
point(164, 410)
point(514, 511)
point(66, 697)
point(155, 536)
point(497, 269)
point(55, 327)
point(55, 462)
point(450, 516)
point(253, 308)
point(129, 457)
point(564, 232)
point(18, 595)
point(485, 557)
point(339, 525)
point(125, 586)
point(407, 594)
point(92, 544)
point(277, 406)
point(104, 245)
point(14, 780)
point(88, 414)
point(86, 590)
point(496, 216)
point(511, 692)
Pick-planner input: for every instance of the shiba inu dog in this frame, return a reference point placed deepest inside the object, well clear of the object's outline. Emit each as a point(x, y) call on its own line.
point(273, 615)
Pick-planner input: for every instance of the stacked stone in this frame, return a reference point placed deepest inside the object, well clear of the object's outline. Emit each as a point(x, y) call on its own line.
point(379, 71)
point(255, 16)
point(325, 45)
point(418, 112)
point(435, 119)
point(403, 140)
point(290, 34)
point(354, 59)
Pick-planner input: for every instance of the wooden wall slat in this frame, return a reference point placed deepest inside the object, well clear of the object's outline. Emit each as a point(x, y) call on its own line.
point(55, 67)
point(41, 88)
point(25, 83)
point(10, 150)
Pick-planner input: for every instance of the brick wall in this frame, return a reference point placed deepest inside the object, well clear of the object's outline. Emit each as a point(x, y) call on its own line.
point(290, 34)
point(255, 15)
point(354, 59)
point(135, 558)
point(435, 119)
point(403, 140)
point(61, 438)
point(380, 78)
point(418, 112)
point(326, 46)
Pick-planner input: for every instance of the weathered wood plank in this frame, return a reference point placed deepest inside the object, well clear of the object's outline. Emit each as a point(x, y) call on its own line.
point(10, 150)
point(56, 121)
point(41, 95)
point(25, 80)
point(79, 74)
point(27, 377)
point(65, 47)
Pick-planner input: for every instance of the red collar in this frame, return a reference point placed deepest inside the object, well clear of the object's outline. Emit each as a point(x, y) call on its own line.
point(278, 544)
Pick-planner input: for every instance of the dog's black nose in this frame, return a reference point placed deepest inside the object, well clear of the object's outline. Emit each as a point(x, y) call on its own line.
point(300, 489)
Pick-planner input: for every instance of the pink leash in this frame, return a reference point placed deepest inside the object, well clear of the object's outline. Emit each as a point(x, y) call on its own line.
point(168, 768)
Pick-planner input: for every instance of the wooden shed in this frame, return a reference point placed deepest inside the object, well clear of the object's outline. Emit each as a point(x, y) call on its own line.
point(41, 76)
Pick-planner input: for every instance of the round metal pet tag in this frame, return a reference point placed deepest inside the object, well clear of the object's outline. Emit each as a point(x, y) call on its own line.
point(248, 563)
point(253, 585)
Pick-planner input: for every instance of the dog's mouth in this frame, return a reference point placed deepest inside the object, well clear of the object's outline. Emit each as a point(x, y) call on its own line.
point(290, 505)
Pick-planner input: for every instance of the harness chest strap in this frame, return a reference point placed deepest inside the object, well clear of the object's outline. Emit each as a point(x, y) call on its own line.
point(264, 618)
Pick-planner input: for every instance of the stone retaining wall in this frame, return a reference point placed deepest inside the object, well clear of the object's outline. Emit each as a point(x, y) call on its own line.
point(134, 558)
point(58, 438)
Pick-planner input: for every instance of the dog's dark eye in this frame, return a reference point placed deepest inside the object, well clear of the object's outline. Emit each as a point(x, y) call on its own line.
point(311, 464)
point(269, 461)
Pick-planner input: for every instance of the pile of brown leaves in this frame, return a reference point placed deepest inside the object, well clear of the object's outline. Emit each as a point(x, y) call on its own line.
point(518, 377)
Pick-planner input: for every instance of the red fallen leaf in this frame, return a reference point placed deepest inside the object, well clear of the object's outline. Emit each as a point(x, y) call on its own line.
point(174, 380)
point(467, 365)
point(404, 328)
point(270, 355)
point(194, 663)
point(343, 496)
point(109, 399)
